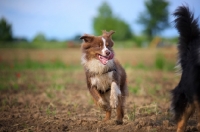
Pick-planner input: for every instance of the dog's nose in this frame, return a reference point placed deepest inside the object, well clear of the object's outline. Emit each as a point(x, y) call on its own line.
point(107, 52)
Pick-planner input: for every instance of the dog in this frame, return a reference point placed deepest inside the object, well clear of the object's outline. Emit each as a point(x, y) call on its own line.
point(106, 79)
point(186, 95)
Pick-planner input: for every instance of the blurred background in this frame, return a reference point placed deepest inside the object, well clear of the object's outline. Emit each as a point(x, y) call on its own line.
point(42, 82)
point(62, 21)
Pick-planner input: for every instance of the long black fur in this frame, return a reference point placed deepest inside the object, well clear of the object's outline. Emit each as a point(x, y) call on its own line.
point(189, 60)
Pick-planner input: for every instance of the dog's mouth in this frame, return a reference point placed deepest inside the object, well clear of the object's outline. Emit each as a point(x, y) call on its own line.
point(104, 59)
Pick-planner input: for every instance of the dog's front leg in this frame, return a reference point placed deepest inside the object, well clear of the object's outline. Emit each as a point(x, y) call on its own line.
point(197, 105)
point(116, 101)
point(98, 99)
point(114, 94)
point(120, 111)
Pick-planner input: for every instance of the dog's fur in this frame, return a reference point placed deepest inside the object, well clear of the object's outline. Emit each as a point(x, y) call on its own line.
point(186, 95)
point(106, 79)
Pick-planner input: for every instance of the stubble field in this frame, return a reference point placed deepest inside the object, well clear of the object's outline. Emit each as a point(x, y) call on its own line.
point(45, 90)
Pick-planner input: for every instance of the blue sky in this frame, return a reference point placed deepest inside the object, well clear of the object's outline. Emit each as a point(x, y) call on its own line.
point(63, 19)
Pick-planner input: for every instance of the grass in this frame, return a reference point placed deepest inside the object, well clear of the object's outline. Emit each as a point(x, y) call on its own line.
point(134, 90)
point(57, 79)
point(152, 91)
point(50, 95)
point(2, 86)
point(140, 65)
point(161, 63)
point(31, 64)
point(68, 113)
point(62, 83)
point(9, 84)
point(3, 104)
point(59, 45)
point(33, 45)
point(148, 109)
point(132, 113)
point(142, 110)
point(15, 86)
point(58, 87)
point(137, 41)
point(50, 111)
point(56, 45)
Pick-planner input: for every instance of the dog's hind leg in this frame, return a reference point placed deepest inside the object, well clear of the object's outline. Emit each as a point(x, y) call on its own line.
point(197, 105)
point(189, 110)
point(106, 97)
point(108, 115)
point(181, 107)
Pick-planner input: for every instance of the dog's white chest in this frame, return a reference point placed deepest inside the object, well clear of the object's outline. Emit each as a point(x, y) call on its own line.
point(102, 82)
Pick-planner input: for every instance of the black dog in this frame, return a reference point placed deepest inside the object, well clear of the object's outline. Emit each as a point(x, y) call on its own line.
point(186, 96)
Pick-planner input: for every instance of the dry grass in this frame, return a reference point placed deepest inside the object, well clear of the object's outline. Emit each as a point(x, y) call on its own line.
point(57, 99)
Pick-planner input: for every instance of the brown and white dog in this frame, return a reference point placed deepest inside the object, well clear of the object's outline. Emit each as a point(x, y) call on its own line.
point(106, 79)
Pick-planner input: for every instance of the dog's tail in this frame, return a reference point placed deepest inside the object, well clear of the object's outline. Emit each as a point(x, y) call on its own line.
point(189, 32)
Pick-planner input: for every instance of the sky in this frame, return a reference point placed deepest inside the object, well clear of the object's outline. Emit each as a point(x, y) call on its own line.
point(64, 19)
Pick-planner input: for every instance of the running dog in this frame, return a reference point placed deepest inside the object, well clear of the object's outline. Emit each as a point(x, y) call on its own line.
point(106, 79)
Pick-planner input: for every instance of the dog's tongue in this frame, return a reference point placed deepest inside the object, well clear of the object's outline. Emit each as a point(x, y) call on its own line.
point(111, 56)
point(104, 60)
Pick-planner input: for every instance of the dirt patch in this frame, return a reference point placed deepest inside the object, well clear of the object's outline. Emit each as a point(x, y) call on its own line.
point(58, 100)
point(70, 107)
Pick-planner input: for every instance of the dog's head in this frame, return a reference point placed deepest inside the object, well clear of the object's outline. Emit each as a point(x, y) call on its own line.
point(98, 47)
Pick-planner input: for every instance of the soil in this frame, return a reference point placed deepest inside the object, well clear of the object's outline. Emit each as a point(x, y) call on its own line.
point(58, 100)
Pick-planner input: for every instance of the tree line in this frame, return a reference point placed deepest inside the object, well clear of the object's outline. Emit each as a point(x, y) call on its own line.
point(154, 20)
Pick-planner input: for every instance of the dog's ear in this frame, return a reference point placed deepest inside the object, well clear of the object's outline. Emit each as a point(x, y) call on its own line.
point(87, 38)
point(111, 33)
point(108, 34)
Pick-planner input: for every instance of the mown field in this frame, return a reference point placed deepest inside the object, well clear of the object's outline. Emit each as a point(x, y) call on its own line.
point(45, 90)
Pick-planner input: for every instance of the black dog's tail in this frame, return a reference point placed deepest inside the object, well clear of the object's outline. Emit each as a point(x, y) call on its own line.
point(189, 32)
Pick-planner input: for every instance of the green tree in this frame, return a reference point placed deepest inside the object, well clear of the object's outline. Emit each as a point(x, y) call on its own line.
point(5, 30)
point(105, 20)
point(40, 37)
point(155, 17)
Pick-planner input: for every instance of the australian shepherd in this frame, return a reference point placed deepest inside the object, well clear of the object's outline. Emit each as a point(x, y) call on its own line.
point(106, 79)
point(186, 95)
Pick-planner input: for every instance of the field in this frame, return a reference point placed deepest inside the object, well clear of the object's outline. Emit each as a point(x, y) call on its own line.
point(45, 90)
